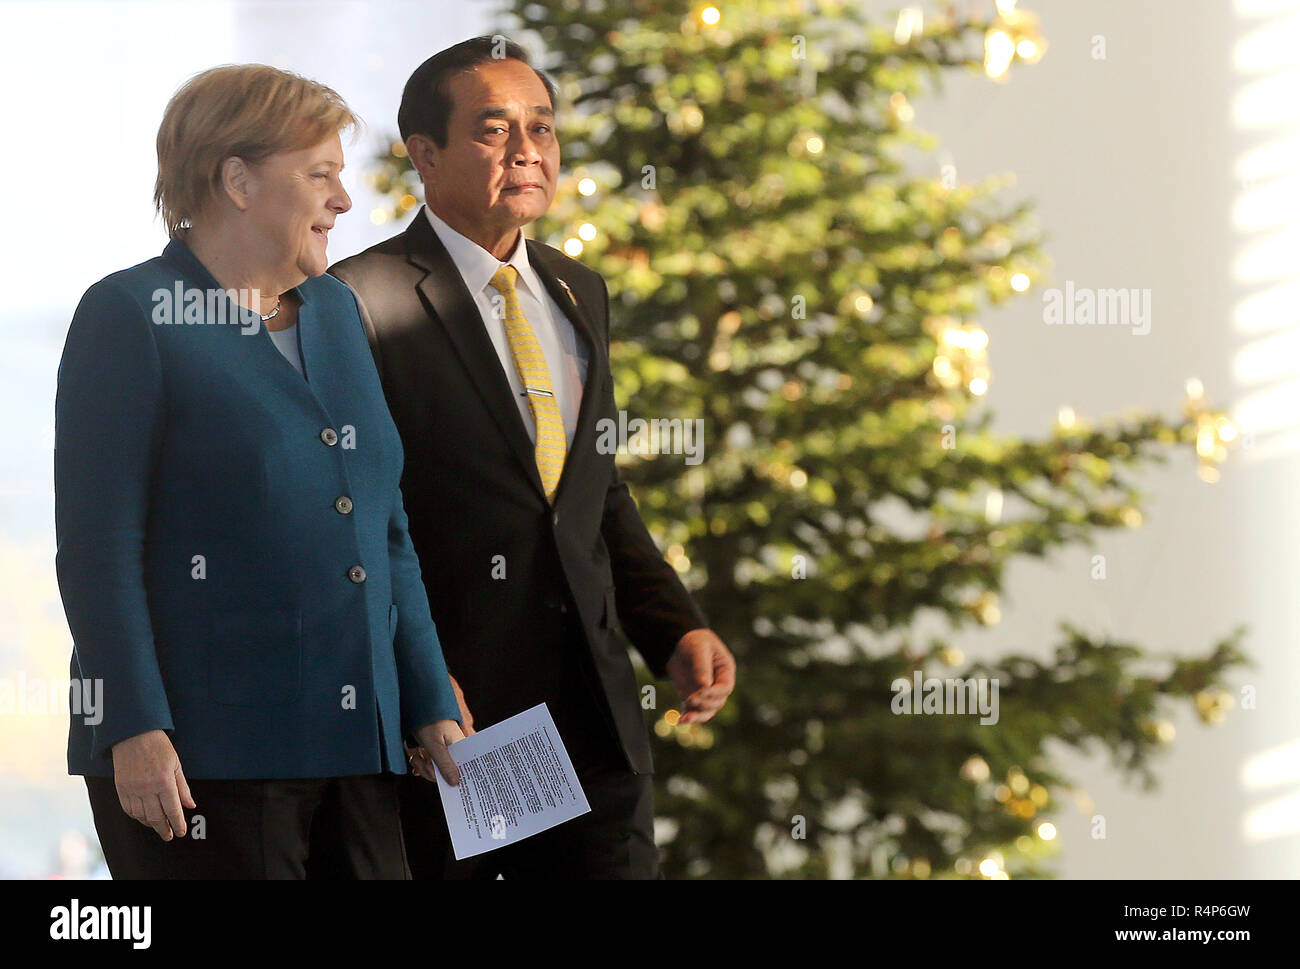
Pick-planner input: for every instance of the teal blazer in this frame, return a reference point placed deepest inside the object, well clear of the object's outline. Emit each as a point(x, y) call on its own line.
point(233, 554)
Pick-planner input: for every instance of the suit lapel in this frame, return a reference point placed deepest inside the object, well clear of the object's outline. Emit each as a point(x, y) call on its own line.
point(453, 308)
point(540, 259)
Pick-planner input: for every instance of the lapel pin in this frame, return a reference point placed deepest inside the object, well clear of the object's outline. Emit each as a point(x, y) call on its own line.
point(567, 290)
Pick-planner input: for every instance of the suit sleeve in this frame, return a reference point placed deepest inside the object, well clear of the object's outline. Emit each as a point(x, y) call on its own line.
point(108, 422)
point(654, 608)
point(422, 678)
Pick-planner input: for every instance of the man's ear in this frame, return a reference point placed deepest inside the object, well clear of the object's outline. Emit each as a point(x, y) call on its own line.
point(423, 154)
point(234, 181)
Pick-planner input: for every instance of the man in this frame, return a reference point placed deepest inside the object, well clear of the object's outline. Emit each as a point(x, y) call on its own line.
point(493, 351)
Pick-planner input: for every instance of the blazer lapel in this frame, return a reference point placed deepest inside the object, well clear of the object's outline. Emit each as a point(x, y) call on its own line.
point(264, 353)
point(450, 304)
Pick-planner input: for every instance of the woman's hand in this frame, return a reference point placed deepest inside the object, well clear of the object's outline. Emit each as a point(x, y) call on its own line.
point(150, 784)
point(466, 718)
point(434, 739)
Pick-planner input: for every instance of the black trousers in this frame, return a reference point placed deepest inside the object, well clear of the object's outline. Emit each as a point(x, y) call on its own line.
point(317, 828)
point(614, 841)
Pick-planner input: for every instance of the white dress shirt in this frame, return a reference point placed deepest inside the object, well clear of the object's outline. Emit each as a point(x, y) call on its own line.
point(566, 352)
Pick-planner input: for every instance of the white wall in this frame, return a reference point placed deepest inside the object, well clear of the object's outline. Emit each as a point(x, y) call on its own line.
point(1138, 166)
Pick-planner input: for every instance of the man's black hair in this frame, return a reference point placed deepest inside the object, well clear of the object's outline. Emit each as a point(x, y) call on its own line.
point(426, 99)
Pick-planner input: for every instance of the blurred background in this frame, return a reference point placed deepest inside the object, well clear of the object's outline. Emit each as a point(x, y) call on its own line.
point(1168, 163)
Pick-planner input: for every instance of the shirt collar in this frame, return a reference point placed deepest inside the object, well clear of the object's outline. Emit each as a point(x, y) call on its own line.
point(477, 266)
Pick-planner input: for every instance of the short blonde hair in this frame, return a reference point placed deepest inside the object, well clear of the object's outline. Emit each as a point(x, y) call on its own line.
point(245, 110)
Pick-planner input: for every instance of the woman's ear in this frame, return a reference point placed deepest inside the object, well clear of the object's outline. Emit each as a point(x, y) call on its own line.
point(234, 181)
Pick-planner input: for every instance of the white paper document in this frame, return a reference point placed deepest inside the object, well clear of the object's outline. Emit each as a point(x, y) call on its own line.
point(516, 779)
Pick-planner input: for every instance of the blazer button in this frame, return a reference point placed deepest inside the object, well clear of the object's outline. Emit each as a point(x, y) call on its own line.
point(343, 505)
point(357, 574)
point(555, 518)
point(329, 436)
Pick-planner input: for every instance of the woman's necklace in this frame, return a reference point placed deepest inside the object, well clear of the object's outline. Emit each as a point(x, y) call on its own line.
point(271, 315)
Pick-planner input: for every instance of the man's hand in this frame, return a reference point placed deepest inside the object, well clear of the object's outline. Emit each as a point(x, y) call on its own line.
point(150, 784)
point(434, 739)
point(705, 673)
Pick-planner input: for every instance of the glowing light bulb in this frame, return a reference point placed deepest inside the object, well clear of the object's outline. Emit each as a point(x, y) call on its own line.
point(999, 49)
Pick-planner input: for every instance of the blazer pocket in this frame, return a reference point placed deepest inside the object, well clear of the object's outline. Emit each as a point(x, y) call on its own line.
point(254, 658)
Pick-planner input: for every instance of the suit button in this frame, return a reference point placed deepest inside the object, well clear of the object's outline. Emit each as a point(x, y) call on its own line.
point(357, 574)
point(343, 505)
point(555, 518)
point(329, 436)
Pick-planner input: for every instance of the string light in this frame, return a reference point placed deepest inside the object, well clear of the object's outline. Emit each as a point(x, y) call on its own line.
point(975, 770)
point(1213, 432)
point(1212, 706)
point(1013, 34)
point(961, 358)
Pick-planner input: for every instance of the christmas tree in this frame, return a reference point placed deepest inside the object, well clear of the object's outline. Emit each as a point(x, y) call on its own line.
point(776, 271)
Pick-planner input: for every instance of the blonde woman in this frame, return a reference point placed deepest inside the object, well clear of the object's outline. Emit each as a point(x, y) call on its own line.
point(233, 553)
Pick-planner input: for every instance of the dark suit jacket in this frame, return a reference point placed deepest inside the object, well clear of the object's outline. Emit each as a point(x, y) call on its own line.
point(473, 493)
point(181, 435)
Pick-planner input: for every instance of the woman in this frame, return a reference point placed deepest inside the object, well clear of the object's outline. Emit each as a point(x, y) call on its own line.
point(233, 553)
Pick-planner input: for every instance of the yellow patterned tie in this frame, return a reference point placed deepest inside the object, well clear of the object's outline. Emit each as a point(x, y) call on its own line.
point(551, 444)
